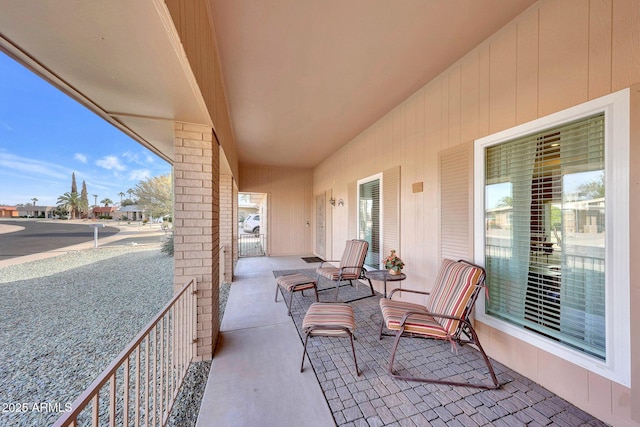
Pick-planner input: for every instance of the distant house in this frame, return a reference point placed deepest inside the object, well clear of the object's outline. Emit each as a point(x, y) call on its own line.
point(8, 212)
point(35, 211)
point(130, 213)
point(101, 211)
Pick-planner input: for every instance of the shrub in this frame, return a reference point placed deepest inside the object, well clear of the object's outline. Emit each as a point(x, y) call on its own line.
point(167, 245)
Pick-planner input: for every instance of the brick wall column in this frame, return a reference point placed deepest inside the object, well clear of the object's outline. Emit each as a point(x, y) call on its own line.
point(196, 226)
point(226, 227)
point(235, 221)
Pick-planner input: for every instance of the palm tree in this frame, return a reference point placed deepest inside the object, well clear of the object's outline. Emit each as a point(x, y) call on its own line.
point(130, 192)
point(34, 200)
point(70, 202)
point(83, 204)
point(106, 202)
point(121, 194)
point(505, 201)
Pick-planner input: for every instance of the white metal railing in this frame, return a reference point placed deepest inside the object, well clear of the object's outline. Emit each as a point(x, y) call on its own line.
point(140, 386)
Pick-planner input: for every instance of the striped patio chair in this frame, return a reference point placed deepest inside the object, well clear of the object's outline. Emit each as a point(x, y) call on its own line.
point(350, 266)
point(445, 315)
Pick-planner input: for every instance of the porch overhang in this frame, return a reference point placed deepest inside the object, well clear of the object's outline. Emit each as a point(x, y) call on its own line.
point(121, 59)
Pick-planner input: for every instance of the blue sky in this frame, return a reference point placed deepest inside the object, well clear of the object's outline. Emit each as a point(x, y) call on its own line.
point(45, 136)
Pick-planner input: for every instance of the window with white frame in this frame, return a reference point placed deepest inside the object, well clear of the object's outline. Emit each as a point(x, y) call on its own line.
point(552, 232)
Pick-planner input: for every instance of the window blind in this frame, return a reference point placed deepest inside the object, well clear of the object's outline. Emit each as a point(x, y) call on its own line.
point(545, 233)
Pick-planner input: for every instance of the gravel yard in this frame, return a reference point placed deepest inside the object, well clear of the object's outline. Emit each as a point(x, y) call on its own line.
point(64, 319)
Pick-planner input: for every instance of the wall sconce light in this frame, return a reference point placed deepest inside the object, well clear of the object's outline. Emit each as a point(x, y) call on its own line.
point(332, 201)
point(340, 202)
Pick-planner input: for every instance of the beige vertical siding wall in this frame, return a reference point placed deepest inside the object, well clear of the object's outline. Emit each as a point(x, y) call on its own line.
point(289, 206)
point(556, 55)
point(193, 23)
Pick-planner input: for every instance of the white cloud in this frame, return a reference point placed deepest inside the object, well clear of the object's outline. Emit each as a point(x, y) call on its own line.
point(32, 167)
point(111, 163)
point(131, 157)
point(139, 174)
point(5, 125)
point(80, 157)
point(142, 159)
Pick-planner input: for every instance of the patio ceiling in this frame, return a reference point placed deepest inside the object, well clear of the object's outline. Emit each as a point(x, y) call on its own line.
point(303, 77)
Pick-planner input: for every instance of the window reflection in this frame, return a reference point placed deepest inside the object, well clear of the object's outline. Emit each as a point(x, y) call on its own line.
point(499, 203)
point(545, 233)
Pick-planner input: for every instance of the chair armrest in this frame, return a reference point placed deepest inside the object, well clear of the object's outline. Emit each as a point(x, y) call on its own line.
point(428, 313)
point(350, 266)
point(328, 260)
point(407, 290)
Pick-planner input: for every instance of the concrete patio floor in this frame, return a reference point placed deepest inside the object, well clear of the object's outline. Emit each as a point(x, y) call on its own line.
point(255, 377)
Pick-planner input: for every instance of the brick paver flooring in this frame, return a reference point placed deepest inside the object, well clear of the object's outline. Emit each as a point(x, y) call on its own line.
point(376, 399)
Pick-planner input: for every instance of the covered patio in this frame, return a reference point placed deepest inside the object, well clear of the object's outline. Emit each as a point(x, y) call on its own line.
point(255, 375)
point(331, 108)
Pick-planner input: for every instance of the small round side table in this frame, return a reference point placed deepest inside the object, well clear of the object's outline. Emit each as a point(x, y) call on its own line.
point(384, 276)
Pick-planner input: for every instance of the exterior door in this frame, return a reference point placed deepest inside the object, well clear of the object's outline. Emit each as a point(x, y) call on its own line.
point(320, 225)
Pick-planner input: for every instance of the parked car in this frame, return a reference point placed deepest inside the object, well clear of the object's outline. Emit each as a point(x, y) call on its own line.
point(252, 224)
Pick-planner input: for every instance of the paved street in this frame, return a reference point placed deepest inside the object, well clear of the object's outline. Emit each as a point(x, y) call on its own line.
point(34, 236)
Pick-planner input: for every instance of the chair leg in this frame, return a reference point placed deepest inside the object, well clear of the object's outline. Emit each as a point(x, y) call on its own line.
point(371, 286)
point(353, 348)
point(290, 301)
point(381, 328)
point(277, 289)
point(304, 351)
point(393, 351)
point(315, 288)
point(476, 341)
point(495, 385)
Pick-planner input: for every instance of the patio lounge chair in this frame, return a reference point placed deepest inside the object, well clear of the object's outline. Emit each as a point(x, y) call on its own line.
point(350, 267)
point(445, 315)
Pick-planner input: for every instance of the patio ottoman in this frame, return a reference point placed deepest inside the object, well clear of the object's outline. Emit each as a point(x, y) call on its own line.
point(294, 283)
point(329, 319)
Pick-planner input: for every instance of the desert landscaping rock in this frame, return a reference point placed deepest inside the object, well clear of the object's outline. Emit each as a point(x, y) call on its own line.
point(64, 319)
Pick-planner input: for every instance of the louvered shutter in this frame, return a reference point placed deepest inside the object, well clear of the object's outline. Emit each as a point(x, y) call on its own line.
point(456, 230)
